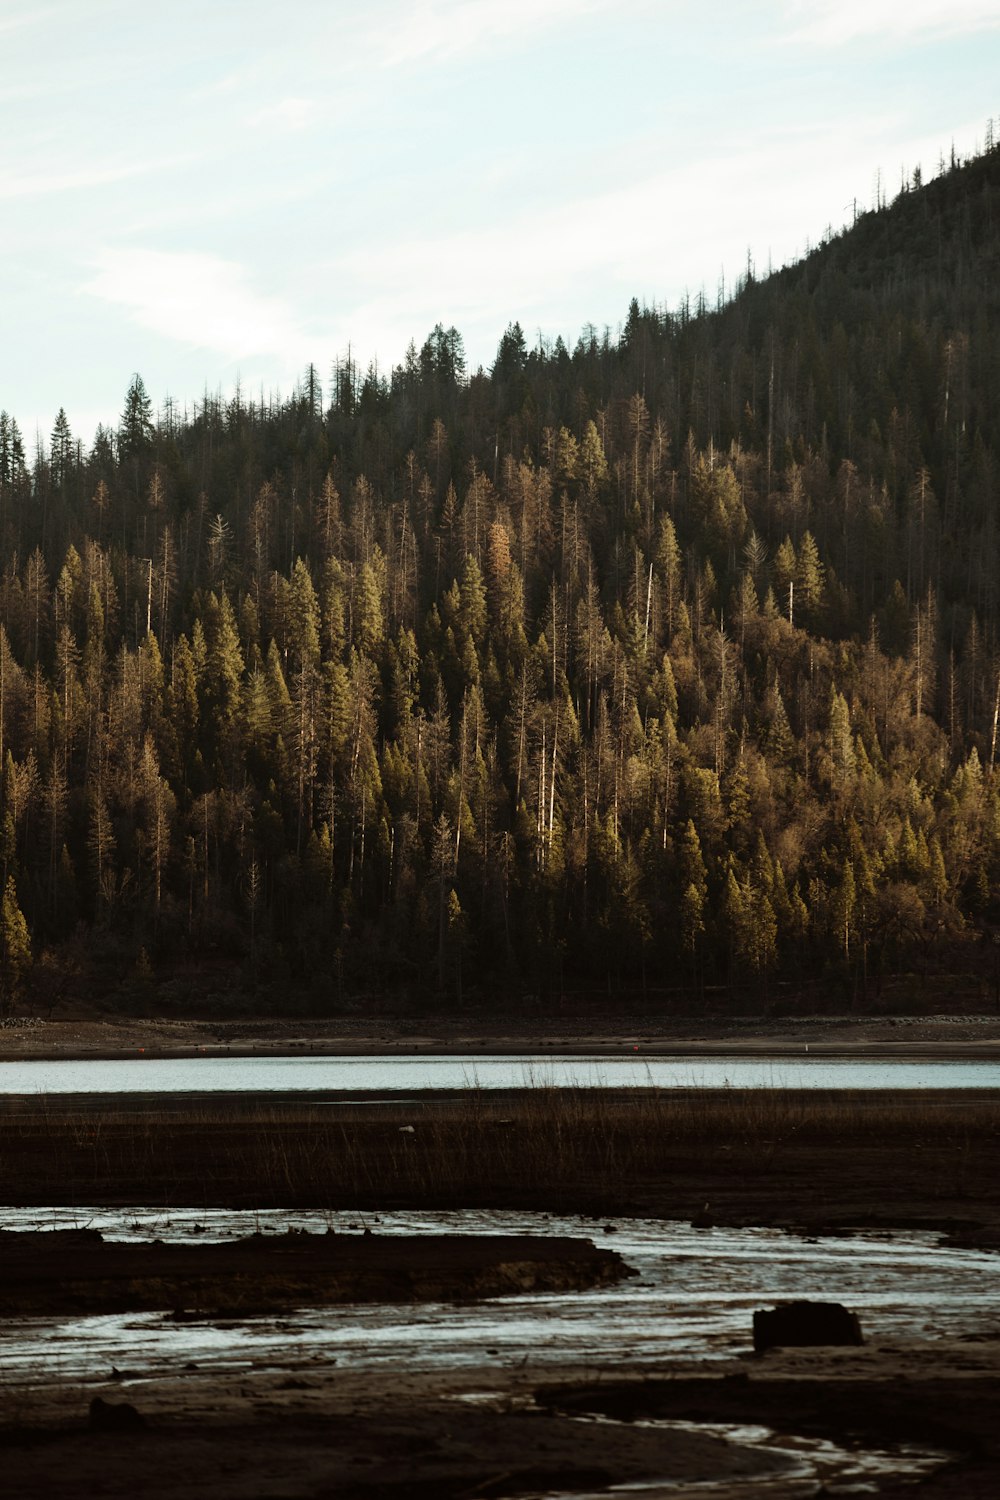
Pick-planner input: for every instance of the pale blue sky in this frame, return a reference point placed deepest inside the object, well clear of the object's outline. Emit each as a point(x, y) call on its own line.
point(222, 188)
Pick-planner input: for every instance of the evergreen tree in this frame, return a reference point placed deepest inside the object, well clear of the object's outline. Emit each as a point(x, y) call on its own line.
point(15, 947)
point(135, 433)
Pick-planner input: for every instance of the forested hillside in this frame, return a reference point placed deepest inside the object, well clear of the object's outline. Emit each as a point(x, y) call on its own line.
point(668, 664)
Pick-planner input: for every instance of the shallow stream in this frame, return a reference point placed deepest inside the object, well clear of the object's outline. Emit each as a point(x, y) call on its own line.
point(693, 1297)
point(691, 1303)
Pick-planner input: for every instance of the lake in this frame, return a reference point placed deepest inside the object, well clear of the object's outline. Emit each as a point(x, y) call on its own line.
point(397, 1076)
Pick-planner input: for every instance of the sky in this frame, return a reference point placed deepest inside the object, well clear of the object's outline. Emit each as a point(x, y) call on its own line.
point(209, 192)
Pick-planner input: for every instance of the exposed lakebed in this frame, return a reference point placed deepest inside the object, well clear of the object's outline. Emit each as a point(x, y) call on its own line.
point(693, 1296)
point(650, 1383)
point(687, 1310)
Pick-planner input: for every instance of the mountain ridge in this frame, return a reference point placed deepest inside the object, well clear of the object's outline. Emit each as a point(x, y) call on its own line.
point(667, 665)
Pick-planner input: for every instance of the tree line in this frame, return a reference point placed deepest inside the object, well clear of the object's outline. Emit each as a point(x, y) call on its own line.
point(666, 664)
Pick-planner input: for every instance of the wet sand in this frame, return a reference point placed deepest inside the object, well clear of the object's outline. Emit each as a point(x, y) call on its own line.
point(916, 1396)
point(307, 1430)
point(263, 1440)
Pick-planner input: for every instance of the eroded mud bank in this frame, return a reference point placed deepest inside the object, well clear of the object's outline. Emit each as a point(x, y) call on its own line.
point(77, 1271)
point(506, 1397)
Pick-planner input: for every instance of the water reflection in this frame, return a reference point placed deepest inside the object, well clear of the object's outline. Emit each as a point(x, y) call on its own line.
point(395, 1075)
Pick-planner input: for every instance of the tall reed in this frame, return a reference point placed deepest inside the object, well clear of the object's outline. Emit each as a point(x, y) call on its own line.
point(537, 1146)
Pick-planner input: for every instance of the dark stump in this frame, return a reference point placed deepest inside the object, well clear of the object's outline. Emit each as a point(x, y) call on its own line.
point(805, 1325)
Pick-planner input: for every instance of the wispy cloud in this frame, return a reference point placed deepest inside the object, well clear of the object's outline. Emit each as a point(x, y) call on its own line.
point(28, 17)
point(287, 114)
point(442, 29)
point(199, 300)
point(38, 184)
point(837, 22)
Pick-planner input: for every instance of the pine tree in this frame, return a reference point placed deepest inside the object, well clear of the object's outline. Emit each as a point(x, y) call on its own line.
point(135, 434)
point(61, 450)
point(809, 574)
point(15, 947)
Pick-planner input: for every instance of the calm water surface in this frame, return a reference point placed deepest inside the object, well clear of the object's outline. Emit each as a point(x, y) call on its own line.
point(404, 1075)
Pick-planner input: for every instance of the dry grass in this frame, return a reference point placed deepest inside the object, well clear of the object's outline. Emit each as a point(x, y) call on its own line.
point(538, 1147)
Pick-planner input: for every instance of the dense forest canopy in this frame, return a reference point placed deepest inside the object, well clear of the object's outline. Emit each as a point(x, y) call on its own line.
point(669, 663)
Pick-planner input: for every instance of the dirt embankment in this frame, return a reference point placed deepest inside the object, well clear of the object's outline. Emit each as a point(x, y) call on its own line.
point(73, 1272)
point(896, 1036)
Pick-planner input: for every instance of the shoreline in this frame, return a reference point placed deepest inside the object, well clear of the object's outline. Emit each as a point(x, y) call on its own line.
point(920, 1410)
point(947, 1038)
point(506, 1431)
point(897, 1159)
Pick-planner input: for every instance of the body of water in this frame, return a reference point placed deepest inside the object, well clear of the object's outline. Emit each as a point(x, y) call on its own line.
point(690, 1306)
point(397, 1076)
point(693, 1297)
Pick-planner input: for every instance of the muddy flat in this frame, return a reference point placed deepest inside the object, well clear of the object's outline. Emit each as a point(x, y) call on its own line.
point(298, 1426)
point(922, 1400)
point(246, 1402)
point(940, 1036)
point(916, 1421)
point(433, 1451)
